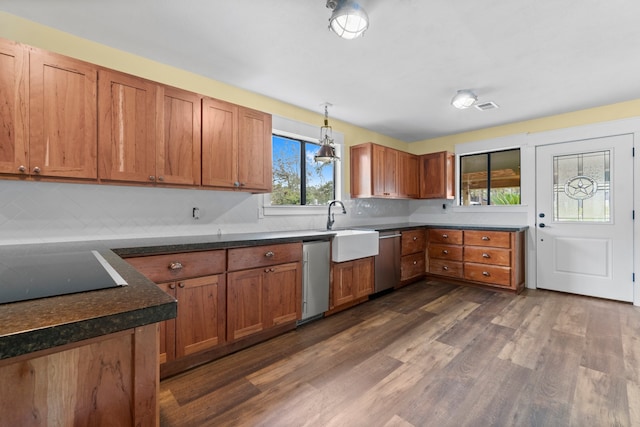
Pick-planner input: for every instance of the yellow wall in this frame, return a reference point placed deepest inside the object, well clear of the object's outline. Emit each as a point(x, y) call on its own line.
point(31, 33)
point(605, 113)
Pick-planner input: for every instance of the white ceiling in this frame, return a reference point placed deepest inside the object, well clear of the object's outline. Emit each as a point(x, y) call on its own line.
point(533, 58)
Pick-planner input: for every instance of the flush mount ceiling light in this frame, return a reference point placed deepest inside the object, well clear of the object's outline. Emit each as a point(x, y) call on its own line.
point(327, 151)
point(348, 19)
point(464, 99)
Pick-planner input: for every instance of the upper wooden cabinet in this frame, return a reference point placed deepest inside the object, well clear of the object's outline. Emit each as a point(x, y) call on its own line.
point(14, 85)
point(178, 140)
point(408, 173)
point(236, 147)
point(127, 110)
point(378, 171)
point(437, 176)
point(47, 114)
point(148, 132)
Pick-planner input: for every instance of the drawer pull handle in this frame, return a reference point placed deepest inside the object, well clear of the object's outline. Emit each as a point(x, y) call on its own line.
point(269, 270)
point(446, 252)
point(485, 238)
point(415, 262)
point(445, 236)
point(445, 268)
point(175, 266)
point(415, 238)
point(172, 286)
point(269, 254)
point(486, 273)
point(485, 255)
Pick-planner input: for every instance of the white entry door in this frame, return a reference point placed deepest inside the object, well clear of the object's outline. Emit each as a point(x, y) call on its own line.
point(584, 203)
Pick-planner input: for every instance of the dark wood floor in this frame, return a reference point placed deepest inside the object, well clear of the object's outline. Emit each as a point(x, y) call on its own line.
point(430, 354)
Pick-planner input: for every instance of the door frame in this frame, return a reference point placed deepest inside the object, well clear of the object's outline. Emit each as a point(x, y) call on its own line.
point(528, 185)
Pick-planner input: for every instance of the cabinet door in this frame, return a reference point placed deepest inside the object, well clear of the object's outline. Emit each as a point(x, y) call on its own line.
point(408, 175)
point(363, 276)
point(437, 176)
point(201, 307)
point(361, 173)
point(168, 329)
point(385, 171)
point(344, 286)
point(127, 138)
point(14, 76)
point(219, 144)
point(245, 290)
point(178, 137)
point(283, 294)
point(62, 115)
point(254, 150)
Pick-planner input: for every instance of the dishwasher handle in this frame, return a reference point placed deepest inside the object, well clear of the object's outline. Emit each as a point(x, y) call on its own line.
point(389, 236)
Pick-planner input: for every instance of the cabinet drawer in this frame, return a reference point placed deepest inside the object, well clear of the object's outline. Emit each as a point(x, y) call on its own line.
point(488, 274)
point(413, 241)
point(450, 252)
point(412, 266)
point(493, 256)
point(445, 268)
point(260, 256)
point(441, 235)
point(166, 268)
point(496, 239)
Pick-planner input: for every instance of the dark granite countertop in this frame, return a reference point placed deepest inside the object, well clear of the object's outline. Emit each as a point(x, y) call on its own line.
point(39, 324)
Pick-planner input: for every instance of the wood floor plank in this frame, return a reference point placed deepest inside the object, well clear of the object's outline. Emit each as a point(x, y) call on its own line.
point(600, 400)
point(429, 354)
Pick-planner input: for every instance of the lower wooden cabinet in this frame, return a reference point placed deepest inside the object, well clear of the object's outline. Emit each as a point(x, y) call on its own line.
point(200, 324)
point(486, 257)
point(261, 298)
point(351, 280)
point(412, 259)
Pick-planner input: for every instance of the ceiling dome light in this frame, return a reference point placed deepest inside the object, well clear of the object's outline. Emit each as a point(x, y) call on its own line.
point(464, 99)
point(348, 19)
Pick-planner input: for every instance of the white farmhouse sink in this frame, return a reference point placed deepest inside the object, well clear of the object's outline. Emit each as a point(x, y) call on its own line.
point(354, 244)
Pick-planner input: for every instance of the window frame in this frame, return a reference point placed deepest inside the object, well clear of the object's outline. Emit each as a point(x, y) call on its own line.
point(301, 131)
point(517, 141)
point(489, 154)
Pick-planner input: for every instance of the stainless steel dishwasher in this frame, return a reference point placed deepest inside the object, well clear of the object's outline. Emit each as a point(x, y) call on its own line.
point(387, 262)
point(315, 280)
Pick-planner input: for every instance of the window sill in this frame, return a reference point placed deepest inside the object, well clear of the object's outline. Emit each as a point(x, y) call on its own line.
point(294, 210)
point(490, 208)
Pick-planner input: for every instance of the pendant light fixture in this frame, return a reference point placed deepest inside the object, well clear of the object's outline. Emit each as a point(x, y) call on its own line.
point(348, 20)
point(327, 151)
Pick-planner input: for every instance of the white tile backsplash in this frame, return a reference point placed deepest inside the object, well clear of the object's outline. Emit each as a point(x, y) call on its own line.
point(35, 212)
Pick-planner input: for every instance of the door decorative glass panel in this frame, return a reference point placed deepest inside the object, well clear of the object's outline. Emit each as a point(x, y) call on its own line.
point(582, 187)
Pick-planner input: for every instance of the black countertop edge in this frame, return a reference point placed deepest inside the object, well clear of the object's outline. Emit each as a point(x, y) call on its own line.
point(416, 225)
point(54, 336)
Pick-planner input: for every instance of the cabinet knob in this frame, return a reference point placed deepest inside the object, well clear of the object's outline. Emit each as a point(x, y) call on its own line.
point(269, 254)
point(152, 178)
point(36, 170)
point(22, 169)
point(486, 256)
point(415, 262)
point(445, 268)
point(161, 178)
point(181, 284)
point(176, 265)
point(486, 273)
point(445, 236)
point(415, 238)
point(446, 252)
point(269, 270)
point(485, 238)
point(172, 286)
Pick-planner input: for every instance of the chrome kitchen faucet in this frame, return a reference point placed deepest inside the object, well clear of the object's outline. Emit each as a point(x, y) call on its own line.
point(331, 217)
